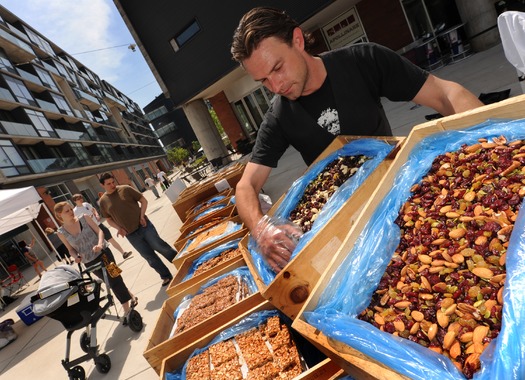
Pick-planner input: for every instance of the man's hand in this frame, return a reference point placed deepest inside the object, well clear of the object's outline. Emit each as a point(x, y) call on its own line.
point(122, 232)
point(276, 239)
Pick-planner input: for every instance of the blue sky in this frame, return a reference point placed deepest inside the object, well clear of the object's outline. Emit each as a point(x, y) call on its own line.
point(84, 25)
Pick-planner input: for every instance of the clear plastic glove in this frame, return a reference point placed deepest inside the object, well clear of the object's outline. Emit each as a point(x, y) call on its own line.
point(276, 239)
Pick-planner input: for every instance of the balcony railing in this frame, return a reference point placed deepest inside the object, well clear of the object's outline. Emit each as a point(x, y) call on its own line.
point(83, 95)
point(47, 106)
point(72, 135)
point(30, 77)
point(6, 95)
point(44, 165)
point(16, 41)
point(18, 129)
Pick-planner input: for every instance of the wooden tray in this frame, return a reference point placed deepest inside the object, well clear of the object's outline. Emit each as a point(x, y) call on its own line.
point(325, 370)
point(291, 287)
point(354, 362)
point(190, 225)
point(192, 212)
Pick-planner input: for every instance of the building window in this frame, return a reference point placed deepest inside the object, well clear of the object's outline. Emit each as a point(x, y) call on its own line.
point(81, 153)
point(62, 104)
point(5, 63)
point(10, 161)
point(185, 35)
point(156, 113)
point(20, 91)
point(41, 123)
point(46, 79)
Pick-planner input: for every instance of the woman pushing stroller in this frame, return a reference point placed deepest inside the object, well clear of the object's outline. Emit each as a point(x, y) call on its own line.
point(85, 242)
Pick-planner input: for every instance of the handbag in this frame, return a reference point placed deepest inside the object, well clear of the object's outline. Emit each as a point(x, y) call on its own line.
point(112, 268)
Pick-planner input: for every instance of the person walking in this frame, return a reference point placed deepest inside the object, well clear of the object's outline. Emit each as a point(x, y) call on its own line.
point(125, 210)
point(62, 251)
point(84, 208)
point(30, 255)
point(150, 182)
point(85, 242)
point(161, 176)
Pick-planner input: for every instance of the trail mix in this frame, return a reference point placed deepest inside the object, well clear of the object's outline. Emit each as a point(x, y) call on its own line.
point(267, 352)
point(443, 287)
point(319, 191)
point(217, 260)
point(214, 299)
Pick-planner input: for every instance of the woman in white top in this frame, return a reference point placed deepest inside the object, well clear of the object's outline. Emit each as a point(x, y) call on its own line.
point(84, 208)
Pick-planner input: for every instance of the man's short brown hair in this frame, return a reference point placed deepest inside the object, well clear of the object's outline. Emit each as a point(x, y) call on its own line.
point(261, 23)
point(76, 197)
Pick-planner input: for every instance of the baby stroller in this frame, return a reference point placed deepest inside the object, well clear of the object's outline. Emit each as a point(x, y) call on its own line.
point(73, 298)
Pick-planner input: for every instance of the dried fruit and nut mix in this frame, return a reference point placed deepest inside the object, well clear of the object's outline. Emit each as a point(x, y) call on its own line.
point(215, 298)
point(262, 353)
point(224, 256)
point(210, 235)
point(319, 191)
point(443, 287)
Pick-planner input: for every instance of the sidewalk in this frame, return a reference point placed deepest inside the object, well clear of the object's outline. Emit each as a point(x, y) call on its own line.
point(40, 347)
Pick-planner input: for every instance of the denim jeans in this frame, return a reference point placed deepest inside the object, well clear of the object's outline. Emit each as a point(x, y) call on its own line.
point(146, 241)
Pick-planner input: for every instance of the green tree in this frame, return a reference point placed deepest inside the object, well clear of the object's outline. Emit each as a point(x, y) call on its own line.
point(178, 155)
point(195, 145)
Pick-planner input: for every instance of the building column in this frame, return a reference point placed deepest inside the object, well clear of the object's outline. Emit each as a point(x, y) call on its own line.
point(478, 19)
point(227, 117)
point(205, 129)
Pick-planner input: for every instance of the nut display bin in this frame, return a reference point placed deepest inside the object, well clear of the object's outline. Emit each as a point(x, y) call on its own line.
point(291, 287)
point(353, 361)
point(325, 370)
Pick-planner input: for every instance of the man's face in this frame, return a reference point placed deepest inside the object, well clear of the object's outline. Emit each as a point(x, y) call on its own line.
point(109, 185)
point(278, 66)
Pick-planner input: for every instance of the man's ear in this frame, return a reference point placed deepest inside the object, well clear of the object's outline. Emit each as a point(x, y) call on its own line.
point(298, 38)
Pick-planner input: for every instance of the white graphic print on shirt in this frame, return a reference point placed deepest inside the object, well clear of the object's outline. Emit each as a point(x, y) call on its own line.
point(329, 120)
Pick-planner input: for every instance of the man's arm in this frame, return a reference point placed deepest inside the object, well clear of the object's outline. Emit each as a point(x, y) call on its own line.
point(446, 97)
point(121, 231)
point(143, 207)
point(247, 193)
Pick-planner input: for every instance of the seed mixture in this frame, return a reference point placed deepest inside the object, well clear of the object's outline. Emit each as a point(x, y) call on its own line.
point(263, 353)
point(224, 256)
point(319, 191)
point(443, 287)
point(215, 298)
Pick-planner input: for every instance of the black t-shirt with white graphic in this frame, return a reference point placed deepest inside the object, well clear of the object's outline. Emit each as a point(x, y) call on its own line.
point(321, 106)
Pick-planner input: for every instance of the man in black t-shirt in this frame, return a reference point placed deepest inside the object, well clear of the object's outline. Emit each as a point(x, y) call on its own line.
point(319, 97)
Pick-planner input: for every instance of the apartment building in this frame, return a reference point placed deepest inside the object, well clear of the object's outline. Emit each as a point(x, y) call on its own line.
point(188, 47)
point(61, 125)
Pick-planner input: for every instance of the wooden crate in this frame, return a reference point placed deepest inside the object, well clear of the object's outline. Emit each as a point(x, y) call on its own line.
point(205, 189)
point(353, 361)
point(160, 345)
point(190, 225)
point(177, 284)
point(192, 212)
point(325, 370)
point(179, 259)
point(291, 287)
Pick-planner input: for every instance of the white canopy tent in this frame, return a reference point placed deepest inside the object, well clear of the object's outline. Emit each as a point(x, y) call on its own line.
point(18, 207)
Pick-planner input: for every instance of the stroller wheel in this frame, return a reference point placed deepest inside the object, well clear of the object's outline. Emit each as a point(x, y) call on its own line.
point(103, 363)
point(76, 373)
point(134, 320)
point(85, 341)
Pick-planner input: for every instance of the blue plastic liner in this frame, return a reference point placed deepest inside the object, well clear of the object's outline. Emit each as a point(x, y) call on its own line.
point(375, 149)
point(352, 285)
point(210, 255)
point(209, 202)
point(234, 227)
point(250, 322)
point(242, 273)
point(208, 211)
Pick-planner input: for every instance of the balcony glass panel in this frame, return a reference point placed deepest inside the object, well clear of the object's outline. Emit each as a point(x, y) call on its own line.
point(43, 165)
point(6, 95)
point(18, 129)
point(72, 135)
point(28, 76)
point(16, 41)
point(48, 106)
